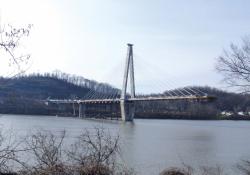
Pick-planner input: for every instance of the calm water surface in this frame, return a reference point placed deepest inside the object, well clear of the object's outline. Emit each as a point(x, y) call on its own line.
point(152, 145)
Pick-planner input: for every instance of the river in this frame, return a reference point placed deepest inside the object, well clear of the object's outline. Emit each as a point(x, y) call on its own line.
point(149, 146)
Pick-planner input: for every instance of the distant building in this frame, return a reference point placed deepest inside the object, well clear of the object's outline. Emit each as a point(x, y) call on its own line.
point(225, 113)
point(240, 113)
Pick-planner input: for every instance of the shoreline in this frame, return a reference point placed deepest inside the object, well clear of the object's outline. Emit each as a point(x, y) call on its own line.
point(152, 117)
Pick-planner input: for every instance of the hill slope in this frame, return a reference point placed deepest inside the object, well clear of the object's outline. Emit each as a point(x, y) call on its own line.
point(24, 95)
point(38, 87)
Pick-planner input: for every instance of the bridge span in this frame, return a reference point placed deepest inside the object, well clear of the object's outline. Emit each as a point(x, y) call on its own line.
point(118, 100)
point(127, 101)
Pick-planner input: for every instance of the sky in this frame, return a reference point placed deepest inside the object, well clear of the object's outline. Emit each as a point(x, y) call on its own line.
point(176, 42)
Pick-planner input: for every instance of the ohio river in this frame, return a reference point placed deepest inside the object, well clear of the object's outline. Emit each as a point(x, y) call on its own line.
point(150, 146)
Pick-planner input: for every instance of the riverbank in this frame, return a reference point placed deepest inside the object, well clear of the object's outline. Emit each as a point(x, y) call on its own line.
point(185, 116)
point(152, 116)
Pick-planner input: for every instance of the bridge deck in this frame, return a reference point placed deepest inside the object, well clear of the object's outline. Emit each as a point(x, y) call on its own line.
point(117, 100)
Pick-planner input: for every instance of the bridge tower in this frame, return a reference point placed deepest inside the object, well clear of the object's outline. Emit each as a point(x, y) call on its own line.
point(128, 107)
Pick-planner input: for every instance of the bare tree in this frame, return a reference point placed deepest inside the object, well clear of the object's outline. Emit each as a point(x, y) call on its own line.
point(95, 152)
point(9, 147)
point(46, 155)
point(234, 64)
point(10, 38)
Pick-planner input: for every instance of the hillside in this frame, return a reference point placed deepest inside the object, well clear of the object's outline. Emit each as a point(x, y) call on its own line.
point(228, 101)
point(54, 85)
point(24, 95)
point(38, 87)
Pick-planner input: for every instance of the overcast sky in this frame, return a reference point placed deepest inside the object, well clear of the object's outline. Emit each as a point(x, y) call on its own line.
point(176, 39)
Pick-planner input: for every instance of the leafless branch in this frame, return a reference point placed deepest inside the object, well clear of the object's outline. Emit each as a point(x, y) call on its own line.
point(10, 38)
point(95, 151)
point(234, 64)
point(46, 151)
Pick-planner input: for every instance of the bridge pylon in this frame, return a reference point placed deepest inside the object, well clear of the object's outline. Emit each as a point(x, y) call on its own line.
point(128, 107)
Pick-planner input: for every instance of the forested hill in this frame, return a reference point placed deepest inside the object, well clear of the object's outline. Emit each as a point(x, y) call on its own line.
point(23, 95)
point(56, 85)
point(228, 101)
point(38, 87)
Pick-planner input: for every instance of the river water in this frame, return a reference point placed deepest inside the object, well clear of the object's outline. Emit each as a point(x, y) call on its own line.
point(150, 146)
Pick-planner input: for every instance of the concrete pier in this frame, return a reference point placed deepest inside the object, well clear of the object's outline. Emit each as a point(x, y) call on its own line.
point(82, 110)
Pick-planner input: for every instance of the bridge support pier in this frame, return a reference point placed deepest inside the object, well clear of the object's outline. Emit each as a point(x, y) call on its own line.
point(74, 109)
point(127, 110)
point(82, 110)
point(128, 107)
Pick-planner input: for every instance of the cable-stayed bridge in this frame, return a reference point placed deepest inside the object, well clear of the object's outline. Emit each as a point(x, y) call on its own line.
point(124, 102)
